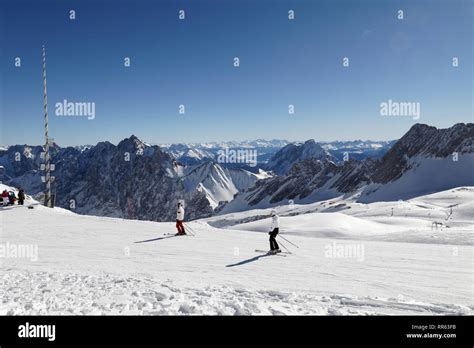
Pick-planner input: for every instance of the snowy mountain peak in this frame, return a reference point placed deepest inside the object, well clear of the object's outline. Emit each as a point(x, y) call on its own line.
point(218, 183)
point(311, 149)
point(134, 145)
point(284, 159)
point(133, 140)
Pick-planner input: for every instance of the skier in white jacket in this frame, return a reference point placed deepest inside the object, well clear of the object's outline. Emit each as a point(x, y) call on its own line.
point(179, 220)
point(275, 228)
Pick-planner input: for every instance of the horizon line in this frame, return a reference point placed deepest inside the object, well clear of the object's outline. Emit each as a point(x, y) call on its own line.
point(237, 141)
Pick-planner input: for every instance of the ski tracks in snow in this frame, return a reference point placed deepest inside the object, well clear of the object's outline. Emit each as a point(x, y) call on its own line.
point(45, 293)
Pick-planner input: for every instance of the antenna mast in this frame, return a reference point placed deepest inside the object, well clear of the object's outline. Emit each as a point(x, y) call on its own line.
point(47, 159)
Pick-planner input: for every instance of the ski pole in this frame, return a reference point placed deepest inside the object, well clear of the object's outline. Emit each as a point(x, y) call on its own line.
point(190, 229)
point(285, 248)
point(287, 240)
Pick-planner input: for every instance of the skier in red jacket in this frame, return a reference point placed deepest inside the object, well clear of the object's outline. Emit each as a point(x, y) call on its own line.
point(179, 220)
point(5, 198)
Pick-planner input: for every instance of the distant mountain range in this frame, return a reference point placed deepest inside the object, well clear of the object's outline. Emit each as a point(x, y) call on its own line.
point(131, 180)
point(424, 160)
point(141, 181)
point(194, 153)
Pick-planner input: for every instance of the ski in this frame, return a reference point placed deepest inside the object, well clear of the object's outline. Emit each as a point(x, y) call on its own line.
point(176, 235)
point(266, 251)
point(283, 253)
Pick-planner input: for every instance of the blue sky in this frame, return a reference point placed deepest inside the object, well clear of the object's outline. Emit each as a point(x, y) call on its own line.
point(190, 62)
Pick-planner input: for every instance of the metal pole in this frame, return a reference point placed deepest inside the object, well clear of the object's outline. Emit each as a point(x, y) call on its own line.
point(47, 193)
point(279, 235)
point(283, 245)
point(187, 227)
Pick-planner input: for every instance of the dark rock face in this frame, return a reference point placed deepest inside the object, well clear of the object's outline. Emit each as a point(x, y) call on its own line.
point(21, 164)
point(425, 141)
point(130, 180)
point(20, 159)
point(353, 175)
point(308, 176)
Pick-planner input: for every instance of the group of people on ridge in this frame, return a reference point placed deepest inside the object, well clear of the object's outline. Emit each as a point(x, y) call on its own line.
point(274, 230)
point(9, 197)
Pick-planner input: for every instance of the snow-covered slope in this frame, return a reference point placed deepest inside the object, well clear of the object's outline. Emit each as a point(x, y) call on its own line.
point(308, 181)
point(424, 175)
point(219, 184)
point(424, 160)
point(97, 265)
point(443, 217)
point(188, 154)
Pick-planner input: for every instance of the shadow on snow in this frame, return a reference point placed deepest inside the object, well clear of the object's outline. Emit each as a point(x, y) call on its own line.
point(252, 259)
point(154, 239)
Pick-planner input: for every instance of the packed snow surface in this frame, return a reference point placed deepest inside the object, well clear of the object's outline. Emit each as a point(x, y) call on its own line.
point(359, 260)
